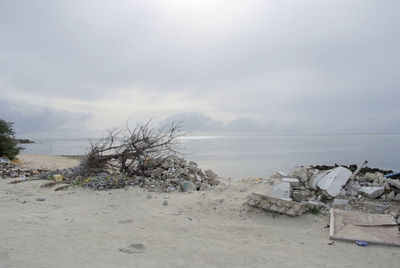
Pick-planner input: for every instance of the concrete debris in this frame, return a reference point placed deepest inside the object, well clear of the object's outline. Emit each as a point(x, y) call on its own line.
point(301, 173)
point(371, 192)
point(166, 174)
point(317, 177)
point(282, 191)
point(270, 203)
point(282, 174)
point(372, 176)
point(338, 187)
point(386, 185)
point(390, 196)
point(394, 183)
point(300, 195)
point(292, 181)
point(317, 204)
point(334, 181)
point(338, 202)
point(210, 173)
point(188, 186)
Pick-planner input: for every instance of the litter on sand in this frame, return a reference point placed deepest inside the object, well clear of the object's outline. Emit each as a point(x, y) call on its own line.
point(364, 227)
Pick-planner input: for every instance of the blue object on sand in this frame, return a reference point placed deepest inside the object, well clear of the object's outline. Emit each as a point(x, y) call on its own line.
point(361, 243)
point(392, 174)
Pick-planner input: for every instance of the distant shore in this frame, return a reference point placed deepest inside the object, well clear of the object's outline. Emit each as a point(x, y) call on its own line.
point(22, 141)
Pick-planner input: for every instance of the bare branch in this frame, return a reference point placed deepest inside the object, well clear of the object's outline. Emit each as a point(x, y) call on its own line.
point(129, 149)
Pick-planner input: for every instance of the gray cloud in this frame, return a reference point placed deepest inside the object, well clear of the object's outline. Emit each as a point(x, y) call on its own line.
point(30, 119)
point(308, 66)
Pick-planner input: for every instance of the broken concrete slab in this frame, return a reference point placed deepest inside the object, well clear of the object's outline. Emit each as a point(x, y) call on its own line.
point(333, 182)
point(270, 203)
point(282, 191)
point(282, 174)
point(301, 195)
point(338, 202)
point(317, 177)
point(390, 196)
point(317, 204)
point(372, 176)
point(371, 207)
point(372, 228)
point(371, 192)
point(394, 183)
point(300, 173)
point(292, 181)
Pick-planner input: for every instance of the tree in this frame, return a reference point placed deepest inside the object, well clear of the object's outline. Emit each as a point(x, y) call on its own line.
point(130, 150)
point(8, 147)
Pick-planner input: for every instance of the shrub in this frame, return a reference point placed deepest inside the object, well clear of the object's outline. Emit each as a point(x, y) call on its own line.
point(8, 147)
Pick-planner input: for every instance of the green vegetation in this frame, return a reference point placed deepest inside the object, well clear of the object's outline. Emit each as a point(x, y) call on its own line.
point(313, 210)
point(8, 147)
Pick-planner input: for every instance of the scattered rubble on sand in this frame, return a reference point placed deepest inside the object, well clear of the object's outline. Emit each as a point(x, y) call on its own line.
point(13, 169)
point(324, 187)
point(166, 174)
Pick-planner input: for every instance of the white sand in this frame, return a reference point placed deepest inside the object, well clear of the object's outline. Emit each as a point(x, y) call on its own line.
point(85, 228)
point(38, 161)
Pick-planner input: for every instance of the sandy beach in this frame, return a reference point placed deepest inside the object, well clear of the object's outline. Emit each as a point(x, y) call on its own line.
point(131, 228)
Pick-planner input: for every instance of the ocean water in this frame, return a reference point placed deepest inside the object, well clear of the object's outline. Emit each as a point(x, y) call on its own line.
point(239, 156)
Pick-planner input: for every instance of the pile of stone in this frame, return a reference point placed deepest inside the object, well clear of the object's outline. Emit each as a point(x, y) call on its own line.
point(167, 174)
point(335, 187)
point(10, 169)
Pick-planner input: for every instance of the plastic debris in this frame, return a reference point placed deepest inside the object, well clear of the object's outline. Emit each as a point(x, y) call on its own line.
point(361, 243)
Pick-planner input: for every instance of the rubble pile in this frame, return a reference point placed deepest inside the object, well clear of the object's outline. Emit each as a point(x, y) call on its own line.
point(160, 175)
point(322, 187)
point(10, 169)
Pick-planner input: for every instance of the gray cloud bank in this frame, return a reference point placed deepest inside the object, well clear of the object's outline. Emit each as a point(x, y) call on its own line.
point(39, 121)
point(284, 66)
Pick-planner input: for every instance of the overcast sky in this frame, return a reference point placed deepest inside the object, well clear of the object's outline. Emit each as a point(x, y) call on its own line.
point(76, 67)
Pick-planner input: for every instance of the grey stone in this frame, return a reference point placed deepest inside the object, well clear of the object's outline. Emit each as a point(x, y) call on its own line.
point(301, 173)
point(394, 183)
point(397, 198)
point(281, 191)
point(333, 182)
point(211, 174)
point(301, 195)
point(40, 199)
point(270, 203)
point(372, 176)
point(188, 186)
point(338, 202)
point(292, 181)
point(203, 187)
point(318, 204)
point(194, 164)
point(386, 185)
point(371, 192)
point(282, 174)
point(316, 178)
point(165, 203)
point(390, 196)
point(352, 186)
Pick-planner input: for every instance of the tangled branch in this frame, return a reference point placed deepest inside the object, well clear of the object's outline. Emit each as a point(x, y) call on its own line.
point(128, 150)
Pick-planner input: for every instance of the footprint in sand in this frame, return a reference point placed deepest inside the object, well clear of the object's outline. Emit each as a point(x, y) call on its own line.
point(133, 248)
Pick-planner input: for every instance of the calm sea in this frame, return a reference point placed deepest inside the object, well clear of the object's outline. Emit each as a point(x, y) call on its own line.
point(239, 156)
